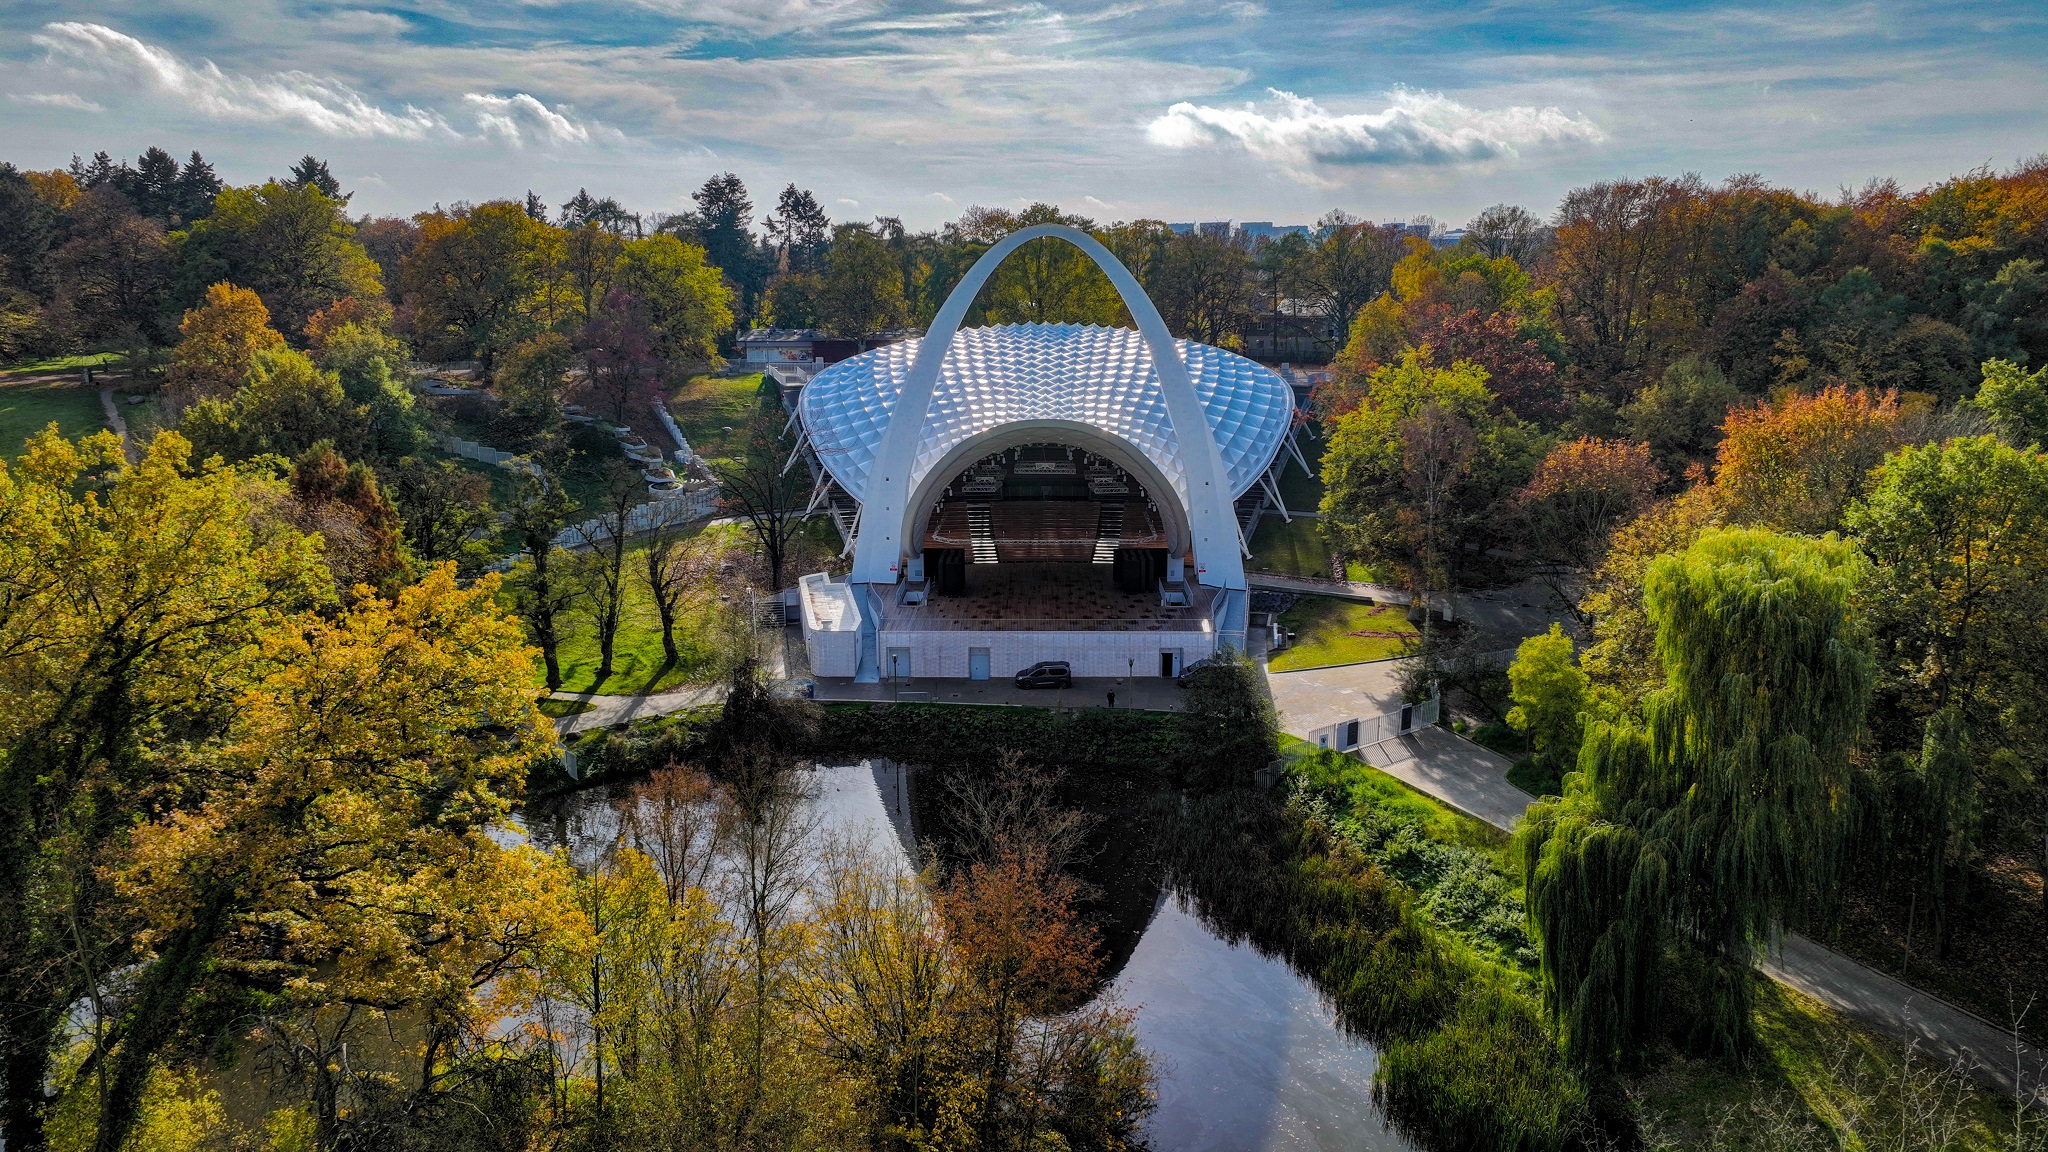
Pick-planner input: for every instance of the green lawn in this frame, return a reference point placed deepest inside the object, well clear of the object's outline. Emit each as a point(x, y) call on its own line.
point(26, 407)
point(1291, 549)
point(70, 363)
point(708, 405)
point(1327, 630)
point(638, 662)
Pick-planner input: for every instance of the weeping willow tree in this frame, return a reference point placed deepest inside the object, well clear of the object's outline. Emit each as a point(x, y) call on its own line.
point(1695, 832)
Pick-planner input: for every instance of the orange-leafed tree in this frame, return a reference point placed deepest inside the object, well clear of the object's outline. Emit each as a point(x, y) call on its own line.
point(218, 341)
point(1581, 492)
point(1797, 462)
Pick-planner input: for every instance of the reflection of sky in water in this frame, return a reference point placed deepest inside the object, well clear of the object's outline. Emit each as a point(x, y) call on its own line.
point(1249, 1057)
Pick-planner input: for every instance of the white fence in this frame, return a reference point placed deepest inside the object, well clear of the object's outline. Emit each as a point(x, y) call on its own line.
point(485, 454)
point(1365, 731)
point(684, 453)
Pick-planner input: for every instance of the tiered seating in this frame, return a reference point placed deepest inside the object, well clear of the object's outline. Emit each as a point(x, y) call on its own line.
point(1045, 530)
point(1050, 530)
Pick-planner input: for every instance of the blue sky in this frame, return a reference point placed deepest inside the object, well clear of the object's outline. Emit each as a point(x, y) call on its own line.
point(1119, 109)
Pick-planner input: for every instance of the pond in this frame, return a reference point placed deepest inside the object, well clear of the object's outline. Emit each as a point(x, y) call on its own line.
point(1248, 1055)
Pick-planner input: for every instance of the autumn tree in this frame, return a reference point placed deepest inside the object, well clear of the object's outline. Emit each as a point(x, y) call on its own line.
point(113, 277)
point(220, 339)
point(483, 280)
point(1581, 492)
point(139, 611)
point(619, 348)
point(337, 850)
point(1796, 463)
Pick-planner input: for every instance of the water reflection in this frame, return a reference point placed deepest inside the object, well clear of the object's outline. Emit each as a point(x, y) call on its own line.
point(1249, 1056)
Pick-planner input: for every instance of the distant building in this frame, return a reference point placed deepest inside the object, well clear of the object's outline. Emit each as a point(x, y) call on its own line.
point(1180, 229)
point(1256, 230)
point(764, 346)
point(1448, 239)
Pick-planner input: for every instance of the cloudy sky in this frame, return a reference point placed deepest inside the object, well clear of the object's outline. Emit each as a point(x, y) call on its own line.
point(1120, 109)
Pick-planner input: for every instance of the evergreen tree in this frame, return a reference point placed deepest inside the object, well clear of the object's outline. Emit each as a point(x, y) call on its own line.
point(311, 172)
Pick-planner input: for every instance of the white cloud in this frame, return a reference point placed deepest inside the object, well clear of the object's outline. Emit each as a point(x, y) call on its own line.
point(1426, 129)
point(847, 202)
point(57, 100)
point(519, 117)
point(322, 104)
point(942, 198)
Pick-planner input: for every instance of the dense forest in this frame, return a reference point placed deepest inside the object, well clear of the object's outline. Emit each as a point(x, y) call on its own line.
point(267, 700)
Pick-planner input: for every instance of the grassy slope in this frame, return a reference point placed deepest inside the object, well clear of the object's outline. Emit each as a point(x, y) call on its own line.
point(707, 405)
point(1324, 627)
point(638, 662)
point(1292, 549)
point(25, 408)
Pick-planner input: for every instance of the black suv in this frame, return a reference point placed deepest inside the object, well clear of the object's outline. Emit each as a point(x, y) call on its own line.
point(1047, 674)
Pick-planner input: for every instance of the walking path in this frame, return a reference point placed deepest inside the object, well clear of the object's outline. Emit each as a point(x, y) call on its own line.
point(606, 711)
point(129, 447)
point(1474, 780)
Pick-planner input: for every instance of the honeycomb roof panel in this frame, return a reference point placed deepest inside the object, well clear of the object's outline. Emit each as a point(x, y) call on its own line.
point(1019, 373)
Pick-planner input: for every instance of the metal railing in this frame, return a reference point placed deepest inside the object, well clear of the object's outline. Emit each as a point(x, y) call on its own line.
point(1365, 731)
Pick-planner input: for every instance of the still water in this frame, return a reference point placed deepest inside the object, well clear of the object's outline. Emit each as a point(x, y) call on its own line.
point(1248, 1056)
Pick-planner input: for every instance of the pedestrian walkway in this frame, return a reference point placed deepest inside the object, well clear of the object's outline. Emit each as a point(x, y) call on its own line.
point(606, 711)
point(129, 448)
point(1473, 779)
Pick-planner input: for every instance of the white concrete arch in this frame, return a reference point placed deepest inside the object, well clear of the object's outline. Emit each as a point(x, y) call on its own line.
point(891, 521)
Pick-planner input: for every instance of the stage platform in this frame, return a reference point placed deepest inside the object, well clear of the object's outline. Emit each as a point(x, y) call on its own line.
point(1048, 596)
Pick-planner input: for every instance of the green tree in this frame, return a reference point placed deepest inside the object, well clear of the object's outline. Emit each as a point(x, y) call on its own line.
point(1549, 692)
point(1228, 727)
point(292, 244)
point(1957, 536)
point(863, 289)
point(370, 365)
point(1049, 281)
point(2016, 402)
point(686, 302)
point(542, 589)
point(286, 407)
point(1719, 817)
point(1412, 474)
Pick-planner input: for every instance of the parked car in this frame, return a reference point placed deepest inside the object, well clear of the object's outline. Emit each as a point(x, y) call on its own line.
point(1189, 674)
point(1047, 674)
